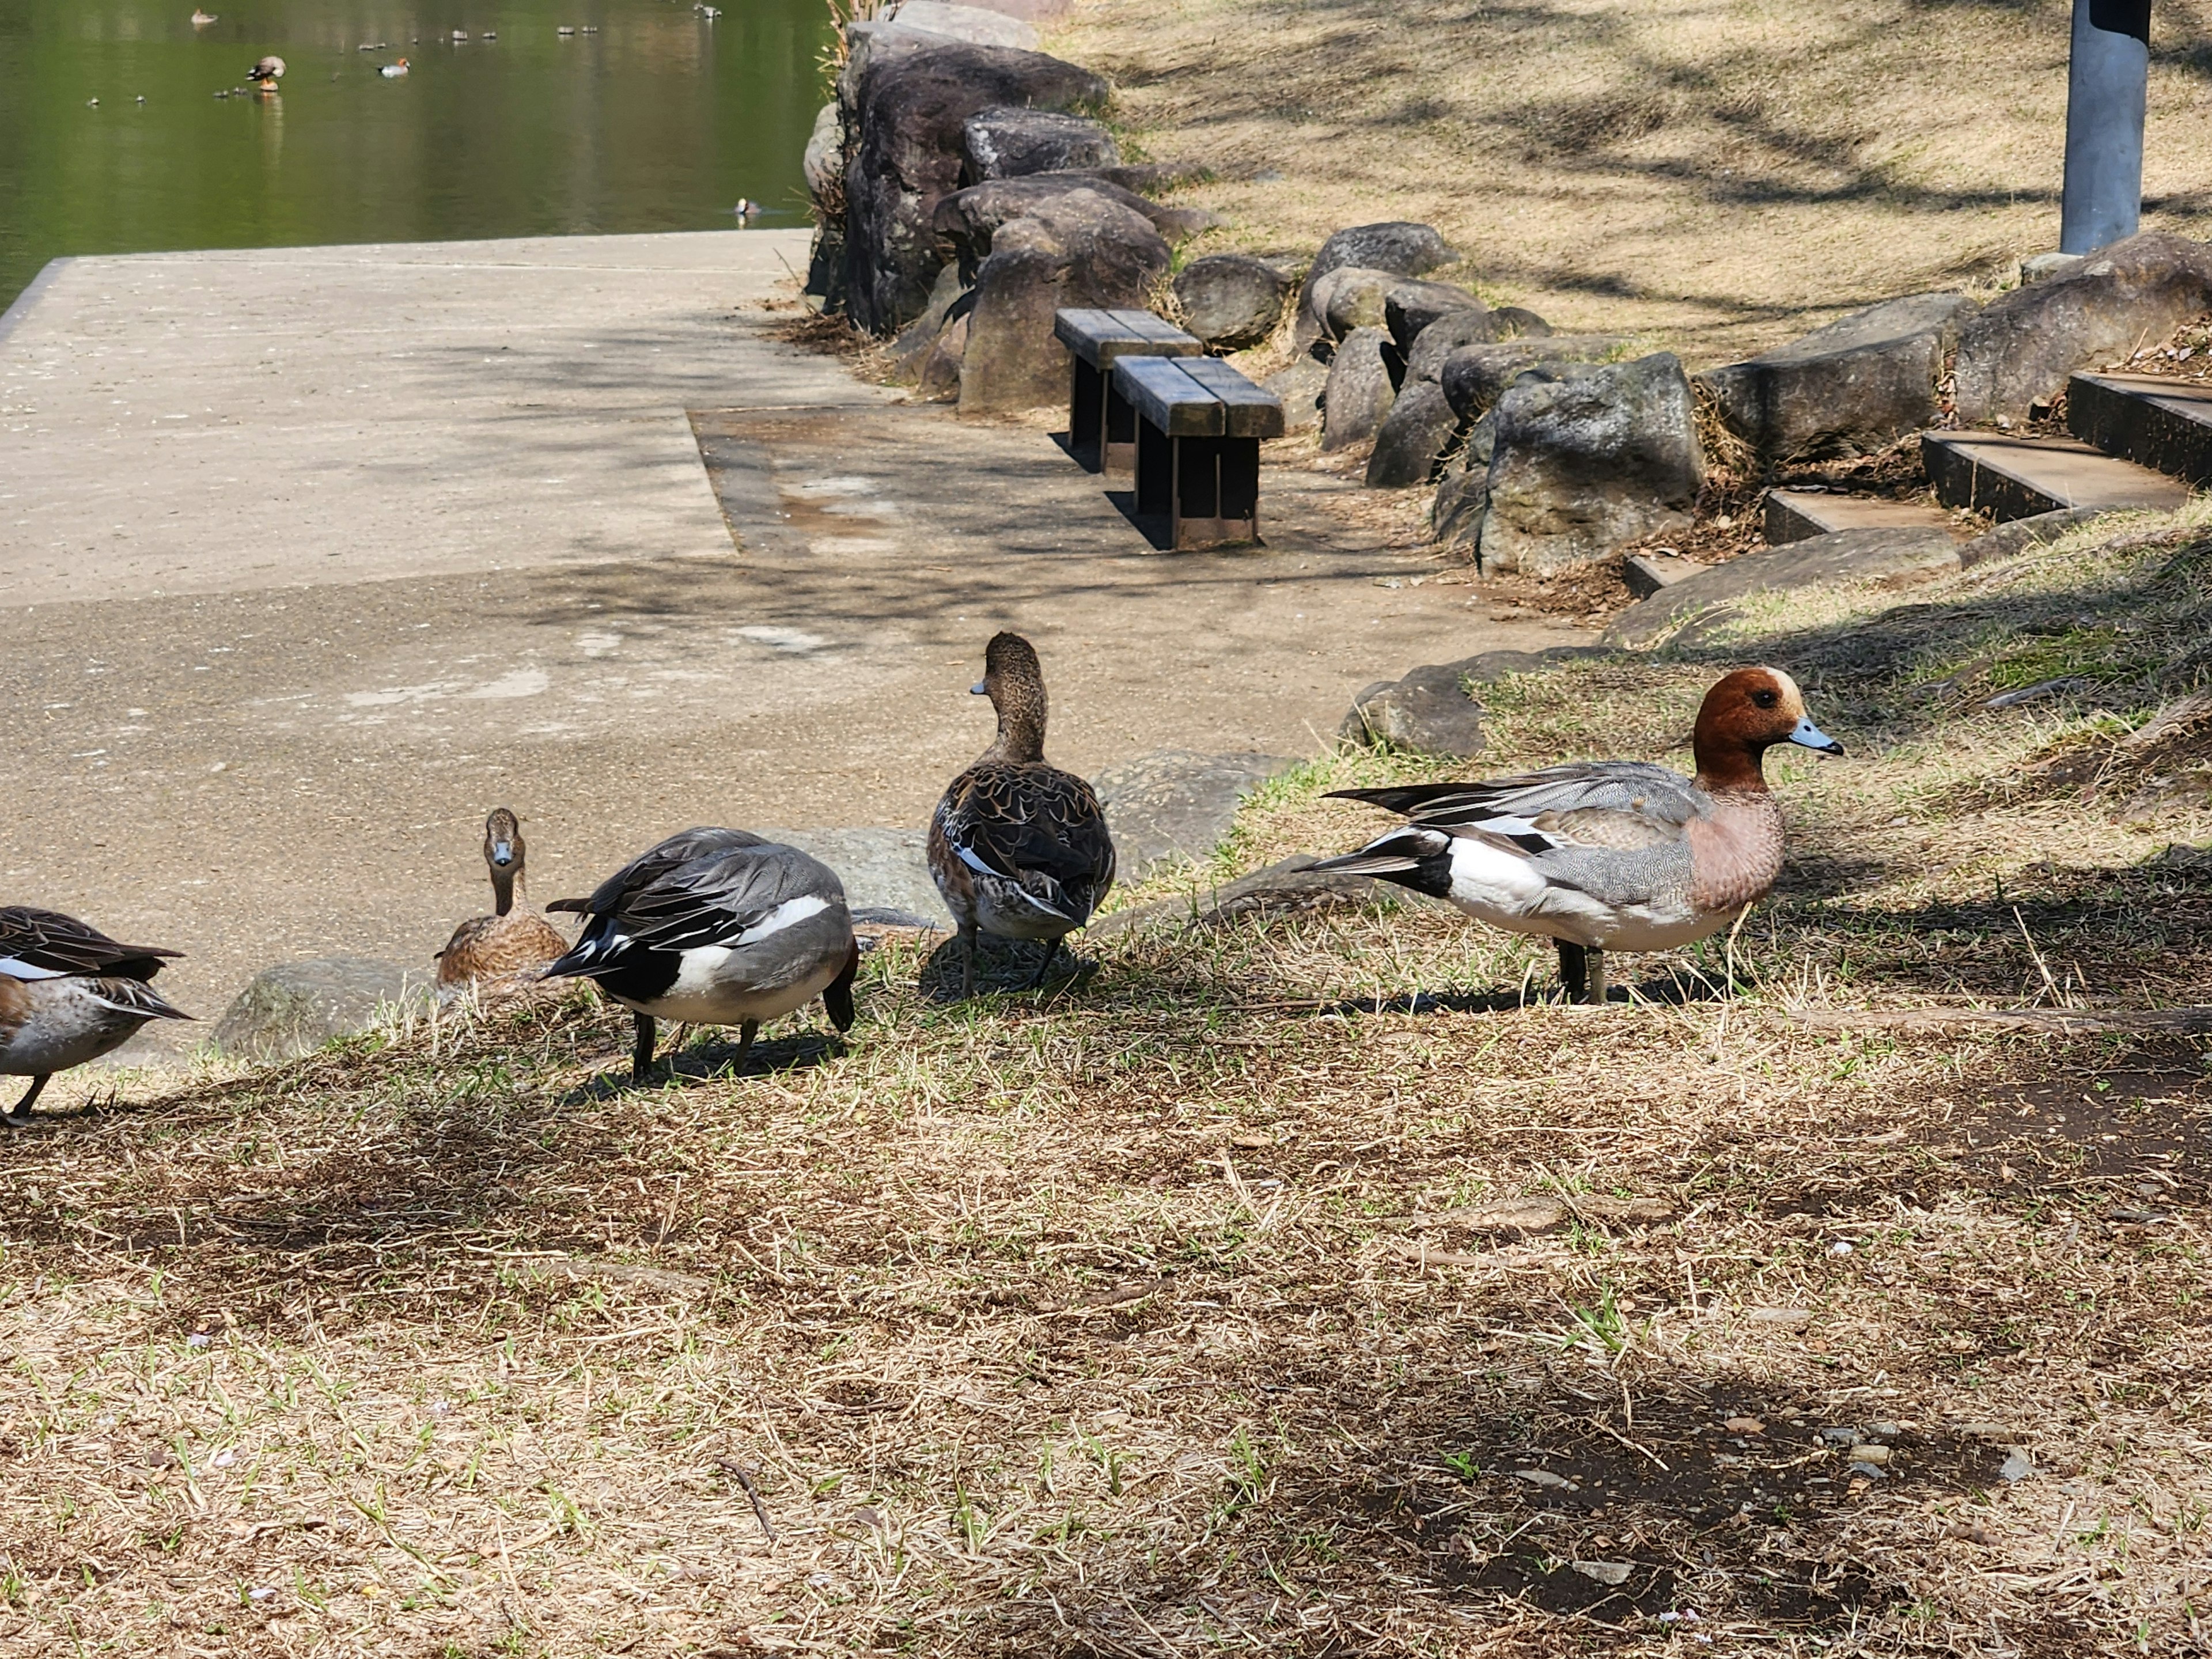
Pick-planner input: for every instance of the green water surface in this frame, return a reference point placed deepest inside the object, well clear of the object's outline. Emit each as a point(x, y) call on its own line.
point(661, 121)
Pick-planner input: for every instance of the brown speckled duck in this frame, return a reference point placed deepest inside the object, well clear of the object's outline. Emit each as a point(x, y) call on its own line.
point(1018, 848)
point(514, 940)
point(68, 994)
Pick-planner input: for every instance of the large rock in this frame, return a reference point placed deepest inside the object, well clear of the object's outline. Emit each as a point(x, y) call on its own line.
point(1360, 390)
point(1589, 457)
point(1172, 804)
point(1702, 602)
point(1475, 377)
point(1519, 323)
point(1007, 142)
point(1447, 334)
point(1413, 437)
point(1395, 245)
point(2019, 349)
point(296, 1007)
point(911, 108)
point(883, 870)
point(1851, 388)
point(968, 220)
point(1231, 300)
point(1078, 249)
point(824, 162)
point(984, 25)
point(1349, 297)
point(1409, 308)
point(1432, 710)
point(1464, 493)
point(937, 377)
point(1302, 387)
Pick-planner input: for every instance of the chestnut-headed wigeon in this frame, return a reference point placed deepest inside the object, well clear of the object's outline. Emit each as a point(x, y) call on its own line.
point(267, 73)
point(514, 940)
point(1018, 848)
point(68, 994)
point(1607, 855)
point(716, 927)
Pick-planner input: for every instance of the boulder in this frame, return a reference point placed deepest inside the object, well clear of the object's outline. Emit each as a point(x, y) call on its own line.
point(984, 25)
point(1396, 246)
point(1516, 323)
point(2020, 534)
point(1302, 387)
point(1079, 248)
point(1701, 602)
point(1432, 710)
point(1851, 388)
point(911, 108)
point(296, 1007)
point(1589, 457)
point(1463, 494)
point(1475, 377)
point(1408, 308)
point(2019, 349)
point(1359, 392)
point(1008, 143)
point(937, 377)
point(967, 222)
point(1413, 438)
point(1446, 335)
point(826, 266)
point(917, 338)
point(1172, 804)
point(824, 162)
point(1349, 297)
point(1231, 300)
point(884, 871)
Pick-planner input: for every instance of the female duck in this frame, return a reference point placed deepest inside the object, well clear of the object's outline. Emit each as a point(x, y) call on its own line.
point(514, 939)
point(68, 994)
point(1018, 848)
point(717, 928)
point(1607, 855)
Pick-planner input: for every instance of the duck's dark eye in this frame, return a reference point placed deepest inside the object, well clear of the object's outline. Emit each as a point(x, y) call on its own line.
point(1765, 699)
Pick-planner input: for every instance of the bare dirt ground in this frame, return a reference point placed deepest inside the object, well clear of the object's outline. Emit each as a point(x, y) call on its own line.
point(1718, 178)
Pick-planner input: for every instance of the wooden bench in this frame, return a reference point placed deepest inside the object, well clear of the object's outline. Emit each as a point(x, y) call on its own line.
point(1101, 430)
point(1198, 427)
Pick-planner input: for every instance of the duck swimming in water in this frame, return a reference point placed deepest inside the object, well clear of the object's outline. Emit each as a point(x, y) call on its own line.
point(1606, 855)
point(68, 994)
point(267, 73)
point(393, 71)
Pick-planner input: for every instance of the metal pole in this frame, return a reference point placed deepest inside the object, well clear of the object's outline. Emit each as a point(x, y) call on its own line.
point(2104, 88)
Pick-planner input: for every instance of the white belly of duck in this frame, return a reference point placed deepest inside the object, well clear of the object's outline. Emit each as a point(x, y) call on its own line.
point(1508, 891)
point(709, 991)
point(69, 1025)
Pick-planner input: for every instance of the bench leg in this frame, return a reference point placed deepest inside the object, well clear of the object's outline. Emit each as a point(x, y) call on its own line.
point(1118, 449)
point(1155, 465)
point(1217, 491)
point(1086, 412)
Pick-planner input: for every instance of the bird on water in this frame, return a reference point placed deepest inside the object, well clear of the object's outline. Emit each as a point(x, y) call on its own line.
point(68, 994)
point(266, 74)
point(1606, 855)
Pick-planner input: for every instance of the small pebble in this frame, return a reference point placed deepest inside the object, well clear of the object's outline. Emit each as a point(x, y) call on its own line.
point(1870, 1453)
point(2017, 1466)
point(1842, 1437)
point(1744, 1425)
point(1887, 1431)
point(1841, 1247)
point(1866, 1471)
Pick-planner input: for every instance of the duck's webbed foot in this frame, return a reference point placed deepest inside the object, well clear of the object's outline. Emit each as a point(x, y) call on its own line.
point(19, 1113)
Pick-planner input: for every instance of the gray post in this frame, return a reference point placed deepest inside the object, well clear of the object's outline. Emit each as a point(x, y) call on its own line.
point(2104, 88)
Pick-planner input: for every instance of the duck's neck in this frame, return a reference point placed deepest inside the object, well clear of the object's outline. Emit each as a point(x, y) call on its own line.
point(1021, 724)
point(507, 887)
point(1730, 769)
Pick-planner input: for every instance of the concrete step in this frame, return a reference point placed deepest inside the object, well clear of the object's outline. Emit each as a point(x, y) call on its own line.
point(1793, 515)
point(2017, 478)
point(2154, 423)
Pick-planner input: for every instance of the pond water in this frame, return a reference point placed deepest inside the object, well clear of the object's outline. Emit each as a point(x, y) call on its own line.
point(660, 118)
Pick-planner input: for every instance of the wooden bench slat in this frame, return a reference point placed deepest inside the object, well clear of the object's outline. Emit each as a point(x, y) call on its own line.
point(1166, 396)
point(1100, 337)
point(1252, 411)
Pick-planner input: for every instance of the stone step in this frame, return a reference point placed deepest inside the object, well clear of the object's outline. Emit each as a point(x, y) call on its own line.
point(1792, 515)
point(2154, 423)
point(2017, 478)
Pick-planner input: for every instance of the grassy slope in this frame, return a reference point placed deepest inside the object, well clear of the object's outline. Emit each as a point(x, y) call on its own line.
point(1151, 1320)
point(1723, 175)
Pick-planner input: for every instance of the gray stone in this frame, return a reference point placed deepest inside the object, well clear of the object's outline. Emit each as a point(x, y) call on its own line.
point(917, 338)
point(1442, 337)
point(1408, 309)
point(1463, 494)
point(1301, 388)
point(2037, 266)
point(824, 163)
point(1394, 245)
point(969, 220)
point(1172, 804)
point(1704, 600)
point(1587, 458)
point(1349, 297)
point(1231, 300)
point(827, 264)
point(1645, 574)
point(1518, 323)
point(1011, 142)
point(2021, 348)
point(296, 1007)
point(982, 25)
point(881, 869)
point(1413, 438)
point(2020, 534)
point(910, 107)
point(1359, 392)
point(937, 378)
point(1426, 712)
point(1851, 388)
point(2017, 1466)
point(1475, 377)
point(1076, 249)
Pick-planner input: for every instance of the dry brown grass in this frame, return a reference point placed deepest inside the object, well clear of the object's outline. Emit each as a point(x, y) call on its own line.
point(1727, 175)
point(1172, 1315)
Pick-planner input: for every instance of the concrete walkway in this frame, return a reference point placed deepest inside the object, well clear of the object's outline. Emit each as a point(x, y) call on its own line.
point(308, 558)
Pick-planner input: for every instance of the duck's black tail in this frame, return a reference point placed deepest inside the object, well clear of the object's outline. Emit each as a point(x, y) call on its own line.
point(1409, 855)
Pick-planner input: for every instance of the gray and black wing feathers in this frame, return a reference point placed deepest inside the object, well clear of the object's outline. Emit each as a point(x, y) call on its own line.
point(36, 943)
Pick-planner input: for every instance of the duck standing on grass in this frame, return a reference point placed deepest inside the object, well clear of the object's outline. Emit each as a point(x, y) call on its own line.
point(514, 939)
point(68, 994)
point(717, 928)
point(1607, 855)
point(1018, 848)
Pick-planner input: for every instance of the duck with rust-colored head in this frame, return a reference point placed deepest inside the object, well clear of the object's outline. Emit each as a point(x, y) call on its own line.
point(515, 940)
point(68, 994)
point(1018, 848)
point(1607, 855)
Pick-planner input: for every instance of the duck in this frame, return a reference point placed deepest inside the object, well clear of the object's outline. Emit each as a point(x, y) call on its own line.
point(201, 18)
point(1018, 848)
point(1606, 855)
point(68, 994)
point(267, 73)
point(716, 927)
point(514, 940)
point(393, 71)
point(747, 207)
